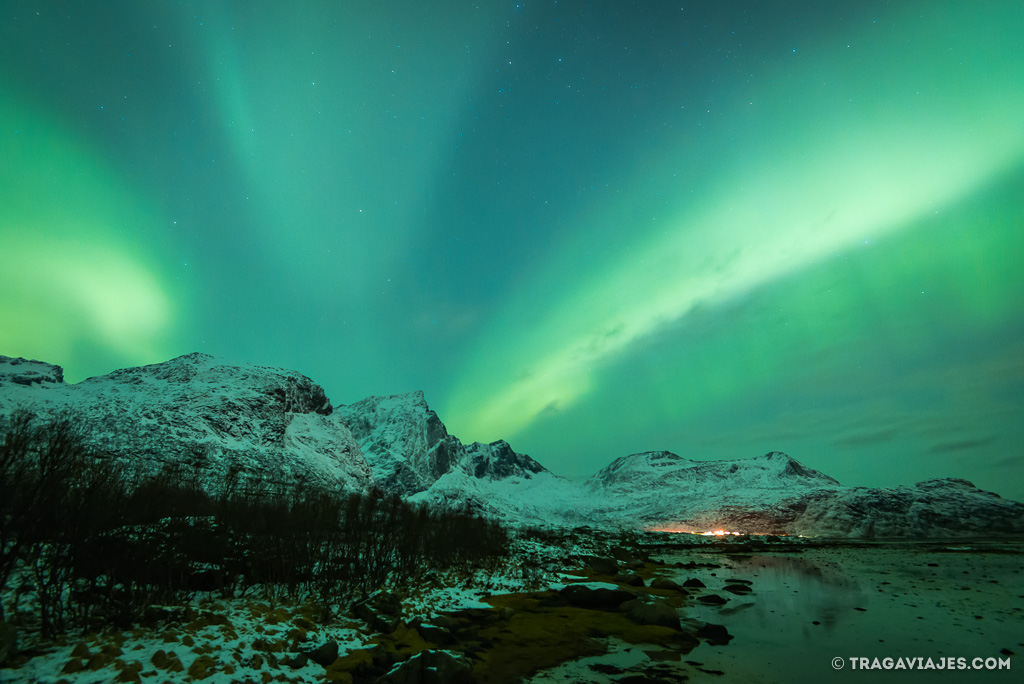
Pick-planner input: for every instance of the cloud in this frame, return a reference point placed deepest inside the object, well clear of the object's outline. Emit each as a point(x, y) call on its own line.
point(866, 438)
point(961, 445)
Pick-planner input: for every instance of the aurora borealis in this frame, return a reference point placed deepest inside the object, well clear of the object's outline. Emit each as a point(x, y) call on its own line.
point(590, 229)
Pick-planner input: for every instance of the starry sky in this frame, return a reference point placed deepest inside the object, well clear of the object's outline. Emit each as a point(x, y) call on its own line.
point(589, 228)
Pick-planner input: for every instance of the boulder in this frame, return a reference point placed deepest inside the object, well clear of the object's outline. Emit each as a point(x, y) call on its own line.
point(430, 667)
point(386, 602)
point(552, 601)
point(694, 582)
point(716, 635)
point(652, 611)
point(324, 656)
point(621, 554)
point(712, 599)
point(629, 579)
point(665, 583)
point(382, 612)
point(298, 661)
point(739, 589)
point(581, 596)
point(435, 634)
point(601, 566)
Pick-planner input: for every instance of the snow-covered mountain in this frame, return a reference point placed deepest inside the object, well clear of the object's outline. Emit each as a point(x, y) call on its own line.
point(933, 508)
point(403, 440)
point(777, 494)
point(761, 494)
point(411, 453)
point(195, 412)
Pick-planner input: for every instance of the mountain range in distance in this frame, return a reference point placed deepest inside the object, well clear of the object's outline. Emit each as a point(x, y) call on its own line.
point(197, 412)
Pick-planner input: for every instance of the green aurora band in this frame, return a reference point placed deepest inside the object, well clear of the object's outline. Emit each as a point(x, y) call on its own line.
point(78, 269)
point(588, 229)
point(812, 178)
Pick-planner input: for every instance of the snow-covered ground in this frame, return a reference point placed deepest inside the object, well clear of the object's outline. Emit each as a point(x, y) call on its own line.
point(244, 639)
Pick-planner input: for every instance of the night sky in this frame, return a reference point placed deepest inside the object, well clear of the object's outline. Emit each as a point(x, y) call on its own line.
point(589, 228)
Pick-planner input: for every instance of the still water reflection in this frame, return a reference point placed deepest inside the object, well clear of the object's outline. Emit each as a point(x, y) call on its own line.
point(813, 610)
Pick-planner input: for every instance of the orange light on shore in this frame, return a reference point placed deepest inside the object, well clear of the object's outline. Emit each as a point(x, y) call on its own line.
point(671, 529)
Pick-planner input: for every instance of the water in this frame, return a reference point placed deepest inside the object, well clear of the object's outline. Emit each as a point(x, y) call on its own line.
point(873, 601)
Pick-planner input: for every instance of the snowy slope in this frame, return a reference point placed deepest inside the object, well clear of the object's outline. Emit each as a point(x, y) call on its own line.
point(659, 469)
point(403, 440)
point(410, 450)
point(933, 508)
point(757, 494)
point(197, 412)
point(777, 494)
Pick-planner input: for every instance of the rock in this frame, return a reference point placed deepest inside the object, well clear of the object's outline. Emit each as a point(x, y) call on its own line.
point(431, 667)
point(130, 673)
point(8, 641)
point(693, 565)
point(621, 554)
point(301, 660)
point(665, 583)
point(553, 601)
point(202, 667)
point(602, 566)
point(739, 589)
point(712, 599)
point(654, 611)
point(325, 655)
point(409, 448)
point(445, 621)
point(386, 602)
point(73, 666)
point(382, 612)
point(29, 372)
point(694, 582)
point(435, 634)
point(629, 579)
point(581, 596)
point(716, 635)
point(733, 580)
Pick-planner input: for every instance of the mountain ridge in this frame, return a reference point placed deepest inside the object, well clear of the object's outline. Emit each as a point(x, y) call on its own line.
point(200, 412)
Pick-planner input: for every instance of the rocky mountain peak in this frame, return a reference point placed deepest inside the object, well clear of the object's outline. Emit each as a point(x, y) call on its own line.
point(497, 461)
point(214, 416)
point(409, 448)
point(789, 467)
point(28, 372)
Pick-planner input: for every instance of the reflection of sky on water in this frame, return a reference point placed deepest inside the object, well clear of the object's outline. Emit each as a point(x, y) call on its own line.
point(786, 587)
point(872, 602)
point(869, 602)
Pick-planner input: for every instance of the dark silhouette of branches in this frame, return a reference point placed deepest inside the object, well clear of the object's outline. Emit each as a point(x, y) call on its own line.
point(96, 544)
